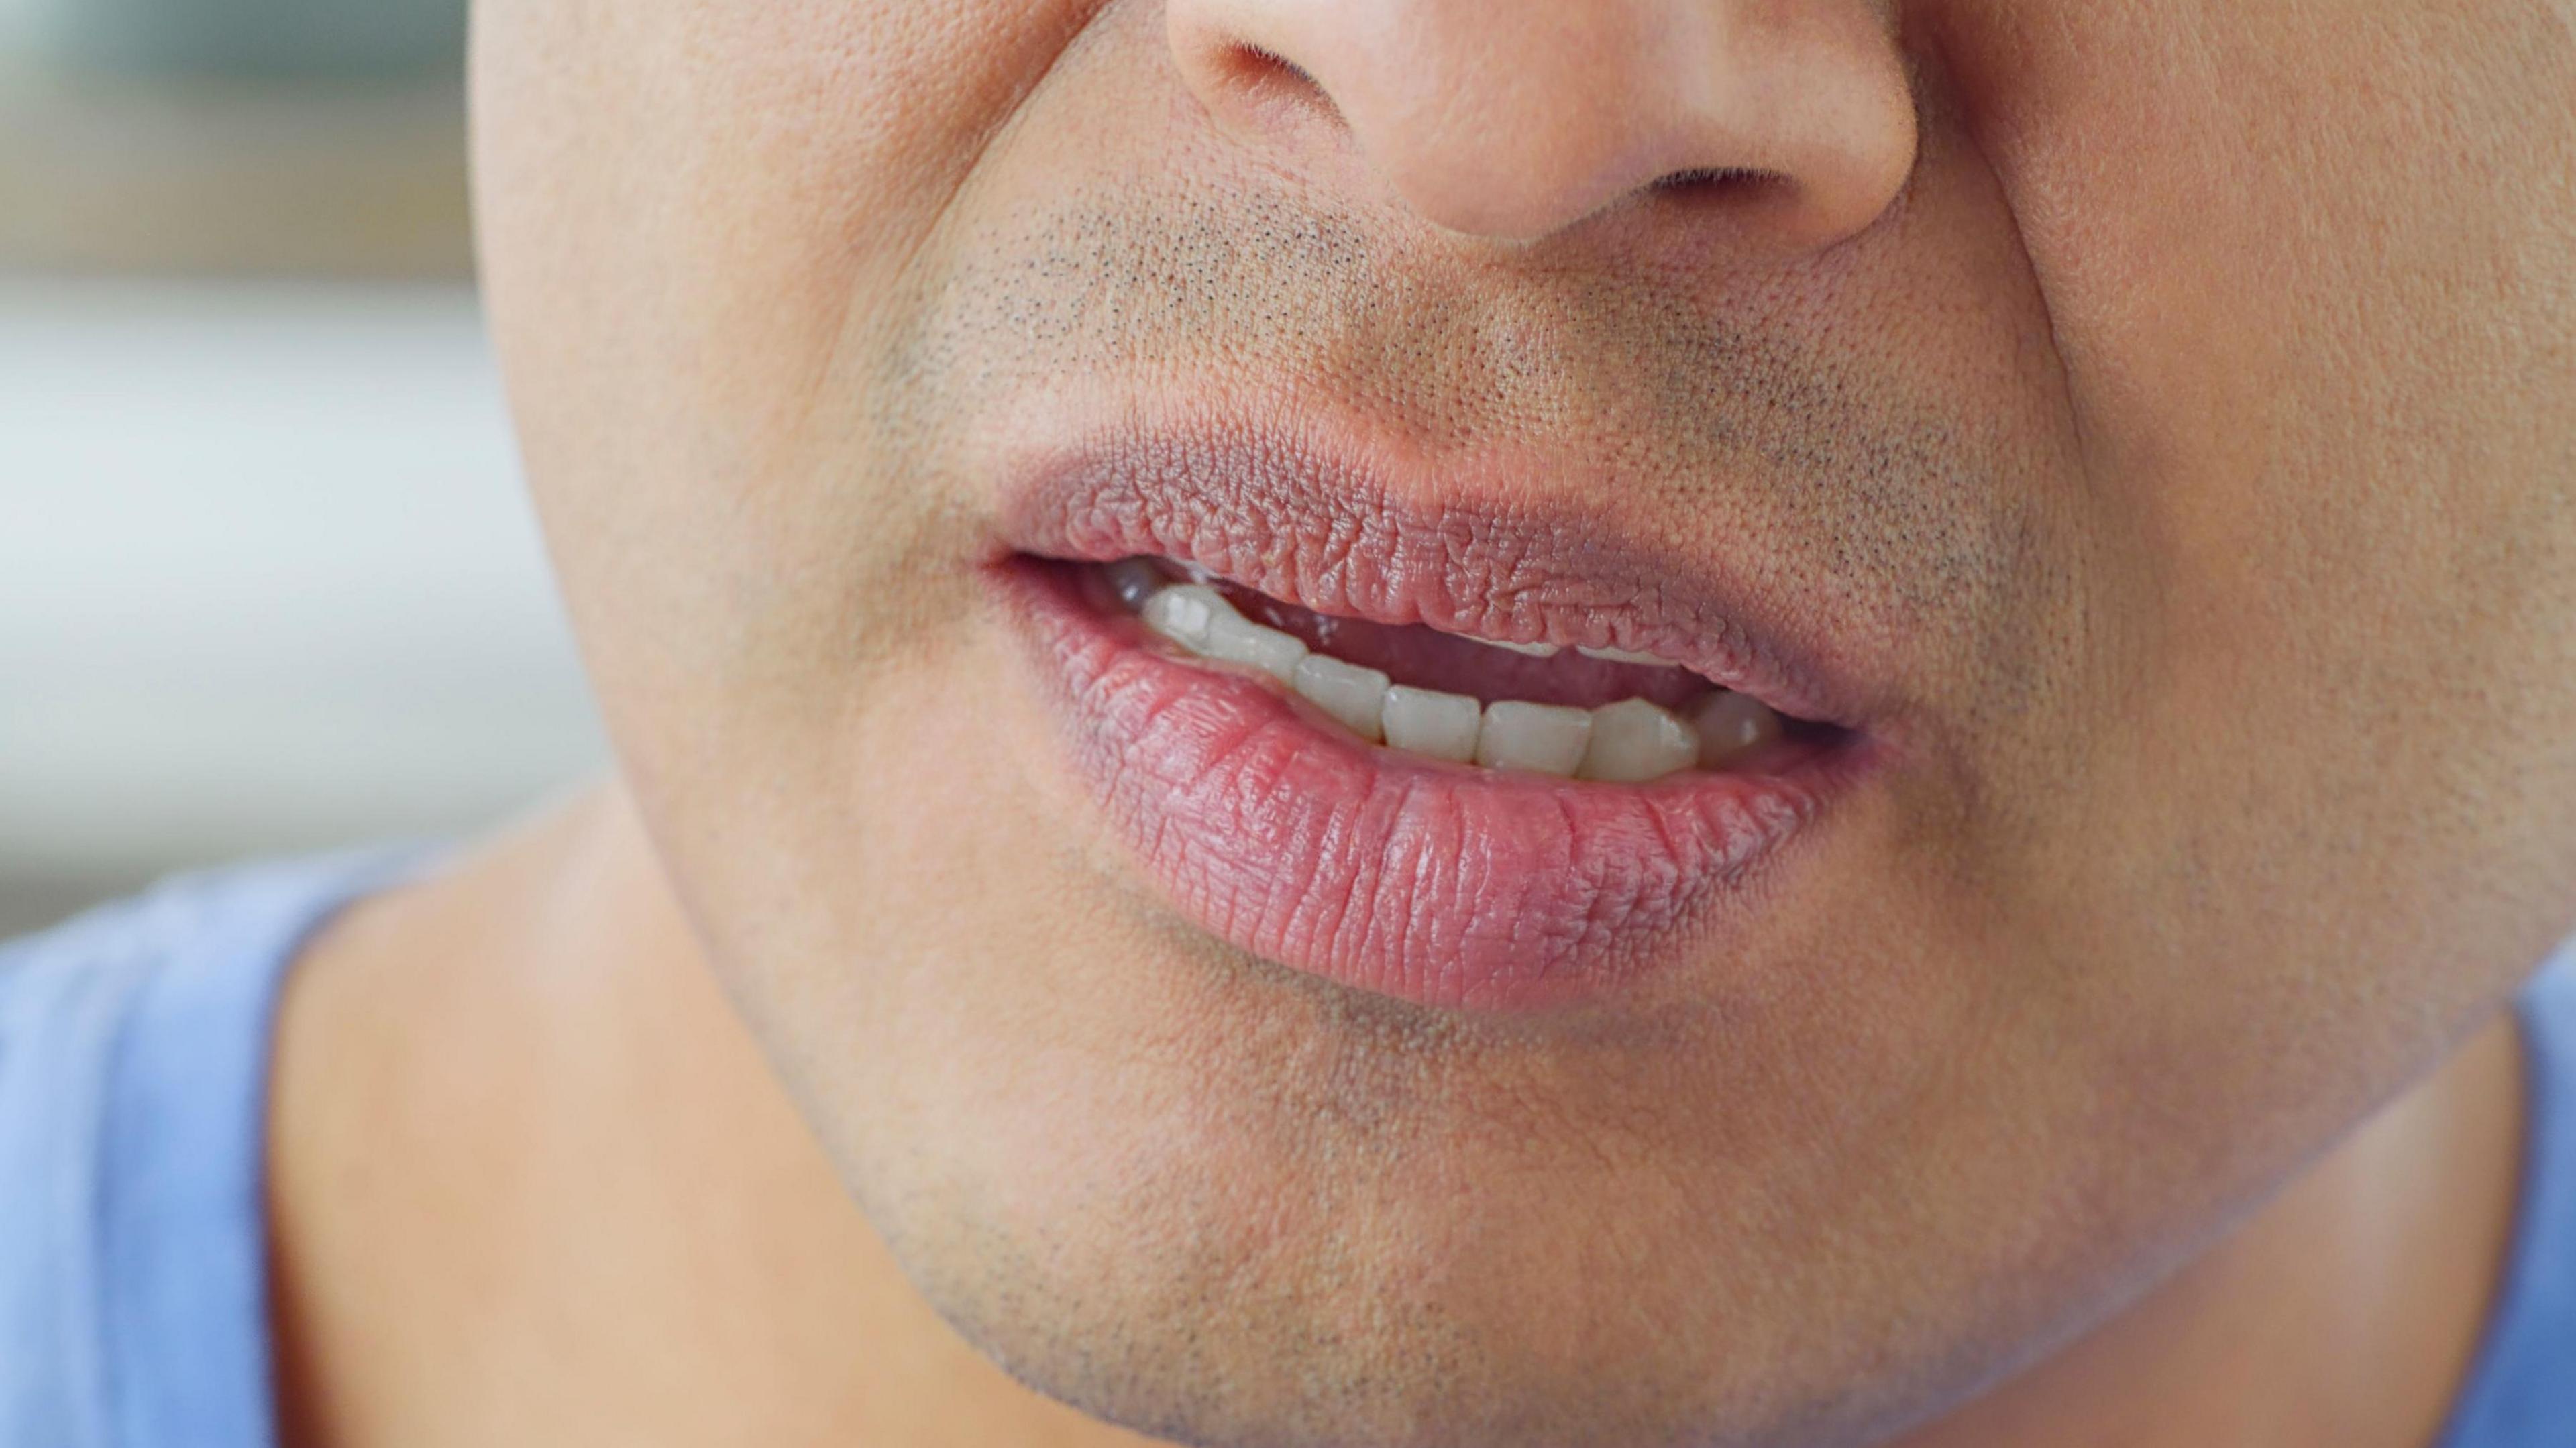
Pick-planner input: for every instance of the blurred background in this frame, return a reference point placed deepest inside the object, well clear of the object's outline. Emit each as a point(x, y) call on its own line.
point(267, 579)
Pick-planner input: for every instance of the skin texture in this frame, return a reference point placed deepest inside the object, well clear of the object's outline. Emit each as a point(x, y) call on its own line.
point(2162, 404)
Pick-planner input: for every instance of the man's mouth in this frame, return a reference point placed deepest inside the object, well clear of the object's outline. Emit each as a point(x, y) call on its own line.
point(1456, 758)
point(1606, 715)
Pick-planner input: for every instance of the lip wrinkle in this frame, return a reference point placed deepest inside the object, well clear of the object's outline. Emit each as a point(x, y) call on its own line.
point(1447, 887)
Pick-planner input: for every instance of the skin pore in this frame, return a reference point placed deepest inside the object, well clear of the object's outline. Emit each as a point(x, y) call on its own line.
point(2160, 438)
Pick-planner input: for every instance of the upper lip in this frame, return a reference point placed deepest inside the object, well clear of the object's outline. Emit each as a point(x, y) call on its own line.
point(1340, 535)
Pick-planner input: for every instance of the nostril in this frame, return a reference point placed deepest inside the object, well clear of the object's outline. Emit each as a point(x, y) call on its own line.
point(1256, 69)
point(1718, 183)
point(1741, 192)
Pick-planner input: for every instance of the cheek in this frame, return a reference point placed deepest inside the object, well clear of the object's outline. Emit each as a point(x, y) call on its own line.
point(689, 219)
point(2325, 368)
point(2324, 362)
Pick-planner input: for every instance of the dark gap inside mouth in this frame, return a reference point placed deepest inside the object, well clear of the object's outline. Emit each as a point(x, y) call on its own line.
point(1426, 658)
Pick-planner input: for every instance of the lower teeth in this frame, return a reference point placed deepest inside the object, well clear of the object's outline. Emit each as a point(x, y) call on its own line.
point(1630, 742)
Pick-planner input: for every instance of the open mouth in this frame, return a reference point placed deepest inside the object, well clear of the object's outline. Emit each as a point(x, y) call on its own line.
point(1611, 716)
point(1453, 756)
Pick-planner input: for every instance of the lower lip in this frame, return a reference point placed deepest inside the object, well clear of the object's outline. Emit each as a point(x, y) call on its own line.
point(1429, 882)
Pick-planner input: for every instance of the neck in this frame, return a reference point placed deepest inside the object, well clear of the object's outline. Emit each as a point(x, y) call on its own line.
point(531, 1181)
point(2347, 1310)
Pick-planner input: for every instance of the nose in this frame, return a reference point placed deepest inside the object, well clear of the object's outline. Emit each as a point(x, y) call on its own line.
point(1517, 119)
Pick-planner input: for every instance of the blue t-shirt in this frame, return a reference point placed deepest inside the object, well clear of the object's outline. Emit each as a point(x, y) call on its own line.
point(133, 1082)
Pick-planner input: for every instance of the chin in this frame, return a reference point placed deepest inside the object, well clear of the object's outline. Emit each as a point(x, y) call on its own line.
point(1351, 1222)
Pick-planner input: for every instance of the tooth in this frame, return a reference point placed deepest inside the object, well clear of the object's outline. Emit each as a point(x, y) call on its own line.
point(1535, 651)
point(1732, 726)
point(1623, 656)
point(1234, 639)
point(1541, 738)
point(1135, 580)
point(1185, 612)
point(1426, 721)
point(1636, 740)
point(1354, 695)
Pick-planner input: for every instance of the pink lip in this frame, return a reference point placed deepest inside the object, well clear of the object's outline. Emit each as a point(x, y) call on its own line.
point(1432, 883)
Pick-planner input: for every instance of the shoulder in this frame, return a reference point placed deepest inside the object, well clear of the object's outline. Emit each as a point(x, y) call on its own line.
point(132, 1062)
point(2521, 1391)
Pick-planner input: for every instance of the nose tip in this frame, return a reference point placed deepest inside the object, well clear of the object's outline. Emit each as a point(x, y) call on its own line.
point(1517, 119)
